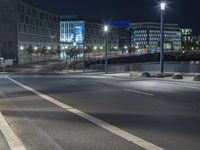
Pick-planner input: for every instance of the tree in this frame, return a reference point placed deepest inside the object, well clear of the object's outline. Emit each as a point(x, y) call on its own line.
point(30, 50)
point(69, 53)
point(44, 50)
point(58, 50)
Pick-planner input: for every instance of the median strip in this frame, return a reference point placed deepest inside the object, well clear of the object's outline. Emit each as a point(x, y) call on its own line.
point(111, 128)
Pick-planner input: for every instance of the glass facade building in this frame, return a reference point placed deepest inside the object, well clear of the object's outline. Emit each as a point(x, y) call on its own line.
point(87, 35)
point(146, 36)
point(72, 32)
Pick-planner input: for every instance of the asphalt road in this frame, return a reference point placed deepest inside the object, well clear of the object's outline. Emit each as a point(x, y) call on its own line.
point(165, 114)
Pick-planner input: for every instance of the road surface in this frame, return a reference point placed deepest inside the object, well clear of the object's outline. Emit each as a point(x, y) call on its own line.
point(96, 112)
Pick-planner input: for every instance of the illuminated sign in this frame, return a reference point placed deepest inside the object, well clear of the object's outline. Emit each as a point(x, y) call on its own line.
point(79, 34)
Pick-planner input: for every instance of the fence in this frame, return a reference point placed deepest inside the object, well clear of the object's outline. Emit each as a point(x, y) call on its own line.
point(184, 67)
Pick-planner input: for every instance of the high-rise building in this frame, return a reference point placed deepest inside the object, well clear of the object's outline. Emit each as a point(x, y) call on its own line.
point(23, 26)
point(146, 37)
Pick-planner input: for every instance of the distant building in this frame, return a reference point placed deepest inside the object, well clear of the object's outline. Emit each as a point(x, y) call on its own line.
point(86, 34)
point(190, 41)
point(187, 35)
point(124, 34)
point(198, 38)
point(22, 26)
point(146, 37)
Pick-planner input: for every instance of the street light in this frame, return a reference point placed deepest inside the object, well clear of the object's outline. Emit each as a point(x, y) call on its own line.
point(106, 28)
point(22, 48)
point(36, 48)
point(74, 53)
point(162, 8)
point(49, 48)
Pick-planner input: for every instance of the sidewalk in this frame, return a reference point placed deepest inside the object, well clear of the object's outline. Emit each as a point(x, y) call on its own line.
point(187, 77)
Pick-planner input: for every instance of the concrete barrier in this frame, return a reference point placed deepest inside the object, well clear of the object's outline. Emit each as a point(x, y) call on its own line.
point(145, 74)
point(160, 75)
point(196, 78)
point(135, 74)
point(177, 76)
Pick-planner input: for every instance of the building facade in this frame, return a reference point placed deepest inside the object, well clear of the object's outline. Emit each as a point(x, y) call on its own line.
point(190, 41)
point(187, 35)
point(146, 37)
point(23, 26)
point(124, 29)
point(87, 35)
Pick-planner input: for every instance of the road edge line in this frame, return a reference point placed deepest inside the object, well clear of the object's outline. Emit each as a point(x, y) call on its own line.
point(111, 128)
point(11, 138)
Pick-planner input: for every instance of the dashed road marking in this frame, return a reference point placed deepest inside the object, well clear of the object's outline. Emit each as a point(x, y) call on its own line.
point(111, 128)
point(139, 92)
point(10, 137)
point(93, 83)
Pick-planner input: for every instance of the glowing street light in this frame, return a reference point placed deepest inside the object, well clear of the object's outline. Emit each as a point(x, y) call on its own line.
point(162, 8)
point(21, 48)
point(49, 48)
point(106, 28)
point(115, 47)
point(36, 48)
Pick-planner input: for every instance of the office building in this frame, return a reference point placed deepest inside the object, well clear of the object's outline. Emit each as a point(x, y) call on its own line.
point(124, 29)
point(187, 35)
point(87, 35)
point(146, 37)
point(23, 26)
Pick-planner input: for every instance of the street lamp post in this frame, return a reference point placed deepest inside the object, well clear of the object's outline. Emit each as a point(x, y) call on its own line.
point(47, 53)
point(106, 51)
point(84, 51)
point(36, 49)
point(162, 7)
point(74, 53)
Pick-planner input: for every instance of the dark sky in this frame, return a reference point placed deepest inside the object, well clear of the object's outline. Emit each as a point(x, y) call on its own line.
point(184, 12)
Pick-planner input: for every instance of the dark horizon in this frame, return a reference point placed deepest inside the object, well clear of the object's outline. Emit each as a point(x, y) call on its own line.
point(181, 12)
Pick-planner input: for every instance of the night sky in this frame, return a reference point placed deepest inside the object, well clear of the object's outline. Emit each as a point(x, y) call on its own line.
point(184, 12)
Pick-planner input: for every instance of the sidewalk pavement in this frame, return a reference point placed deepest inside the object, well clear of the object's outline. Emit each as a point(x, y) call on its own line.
point(187, 77)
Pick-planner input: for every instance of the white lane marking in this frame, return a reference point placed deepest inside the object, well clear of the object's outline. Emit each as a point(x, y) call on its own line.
point(139, 92)
point(11, 138)
point(93, 83)
point(113, 129)
point(193, 85)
